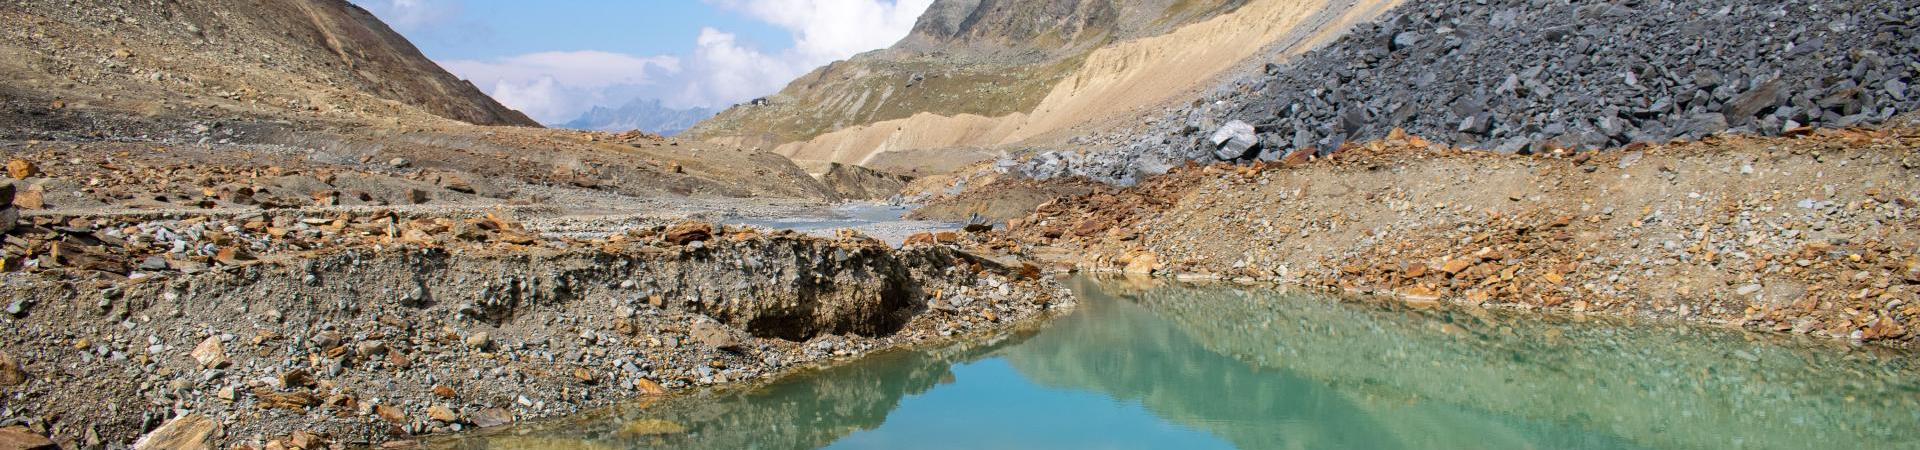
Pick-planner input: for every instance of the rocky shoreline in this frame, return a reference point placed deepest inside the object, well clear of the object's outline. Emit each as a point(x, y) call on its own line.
point(380, 342)
point(1811, 234)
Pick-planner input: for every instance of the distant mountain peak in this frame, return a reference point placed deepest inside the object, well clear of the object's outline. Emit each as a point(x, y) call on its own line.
point(647, 115)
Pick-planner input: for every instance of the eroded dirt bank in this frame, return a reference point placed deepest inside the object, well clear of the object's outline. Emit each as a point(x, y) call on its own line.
point(1810, 234)
point(383, 341)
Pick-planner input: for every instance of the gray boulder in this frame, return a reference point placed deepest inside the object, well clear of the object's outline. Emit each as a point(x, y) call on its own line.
point(1232, 140)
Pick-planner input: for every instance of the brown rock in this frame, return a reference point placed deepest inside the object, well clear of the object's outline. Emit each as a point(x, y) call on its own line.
point(20, 438)
point(457, 183)
point(649, 387)
point(20, 169)
point(188, 432)
point(1299, 157)
point(442, 414)
point(326, 198)
point(444, 392)
point(921, 239)
point(492, 417)
point(390, 414)
point(685, 233)
point(582, 374)
point(296, 378)
point(1456, 265)
point(1144, 263)
point(1885, 328)
point(305, 440)
point(297, 401)
point(233, 256)
point(10, 372)
point(210, 353)
point(715, 336)
point(33, 197)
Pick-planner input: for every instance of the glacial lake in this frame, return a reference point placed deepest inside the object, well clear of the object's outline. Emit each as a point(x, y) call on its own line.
point(1151, 365)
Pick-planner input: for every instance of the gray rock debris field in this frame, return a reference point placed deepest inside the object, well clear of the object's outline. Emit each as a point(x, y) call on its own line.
point(1520, 76)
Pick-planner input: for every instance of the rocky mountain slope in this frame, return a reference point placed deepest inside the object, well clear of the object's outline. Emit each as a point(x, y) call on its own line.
point(644, 115)
point(1519, 76)
point(972, 70)
point(272, 58)
point(316, 84)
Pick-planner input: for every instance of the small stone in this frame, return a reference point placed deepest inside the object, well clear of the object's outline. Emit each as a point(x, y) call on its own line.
point(296, 378)
point(399, 163)
point(1456, 265)
point(1747, 290)
point(21, 169)
point(233, 256)
point(10, 372)
point(33, 197)
point(479, 340)
point(9, 218)
point(210, 353)
point(369, 348)
point(153, 263)
point(445, 392)
point(188, 432)
point(390, 414)
point(492, 417)
point(649, 387)
point(1233, 140)
point(715, 336)
point(306, 440)
point(582, 374)
point(1144, 263)
point(442, 414)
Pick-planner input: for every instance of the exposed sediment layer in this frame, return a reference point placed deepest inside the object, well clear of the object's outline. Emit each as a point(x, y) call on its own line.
point(379, 343)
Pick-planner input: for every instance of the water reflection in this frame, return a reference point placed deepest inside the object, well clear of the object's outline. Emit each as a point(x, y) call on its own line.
point(1193, 367)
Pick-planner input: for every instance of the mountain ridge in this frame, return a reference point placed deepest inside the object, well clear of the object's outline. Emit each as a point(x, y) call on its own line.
point(648, 115)
point(986, 58)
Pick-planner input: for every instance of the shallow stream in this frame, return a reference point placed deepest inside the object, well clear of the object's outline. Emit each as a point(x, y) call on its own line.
point(878, 220)
point(1193, 367)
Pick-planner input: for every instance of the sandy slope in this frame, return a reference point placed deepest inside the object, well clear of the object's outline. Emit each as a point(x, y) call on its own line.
point(1115, 82)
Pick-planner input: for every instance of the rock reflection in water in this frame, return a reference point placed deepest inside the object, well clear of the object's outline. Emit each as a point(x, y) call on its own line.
point(805, 411)
point(1259, 368)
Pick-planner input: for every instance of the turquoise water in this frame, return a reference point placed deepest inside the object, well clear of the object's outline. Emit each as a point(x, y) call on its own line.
point(1185, 367)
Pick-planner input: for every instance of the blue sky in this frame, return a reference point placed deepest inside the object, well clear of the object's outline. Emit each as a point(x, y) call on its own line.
point(556, 59)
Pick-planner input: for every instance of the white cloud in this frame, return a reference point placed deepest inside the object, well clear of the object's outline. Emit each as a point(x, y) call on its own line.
point(558, 86)
point(828, 30)
point(555, 87)
point(724, 72)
